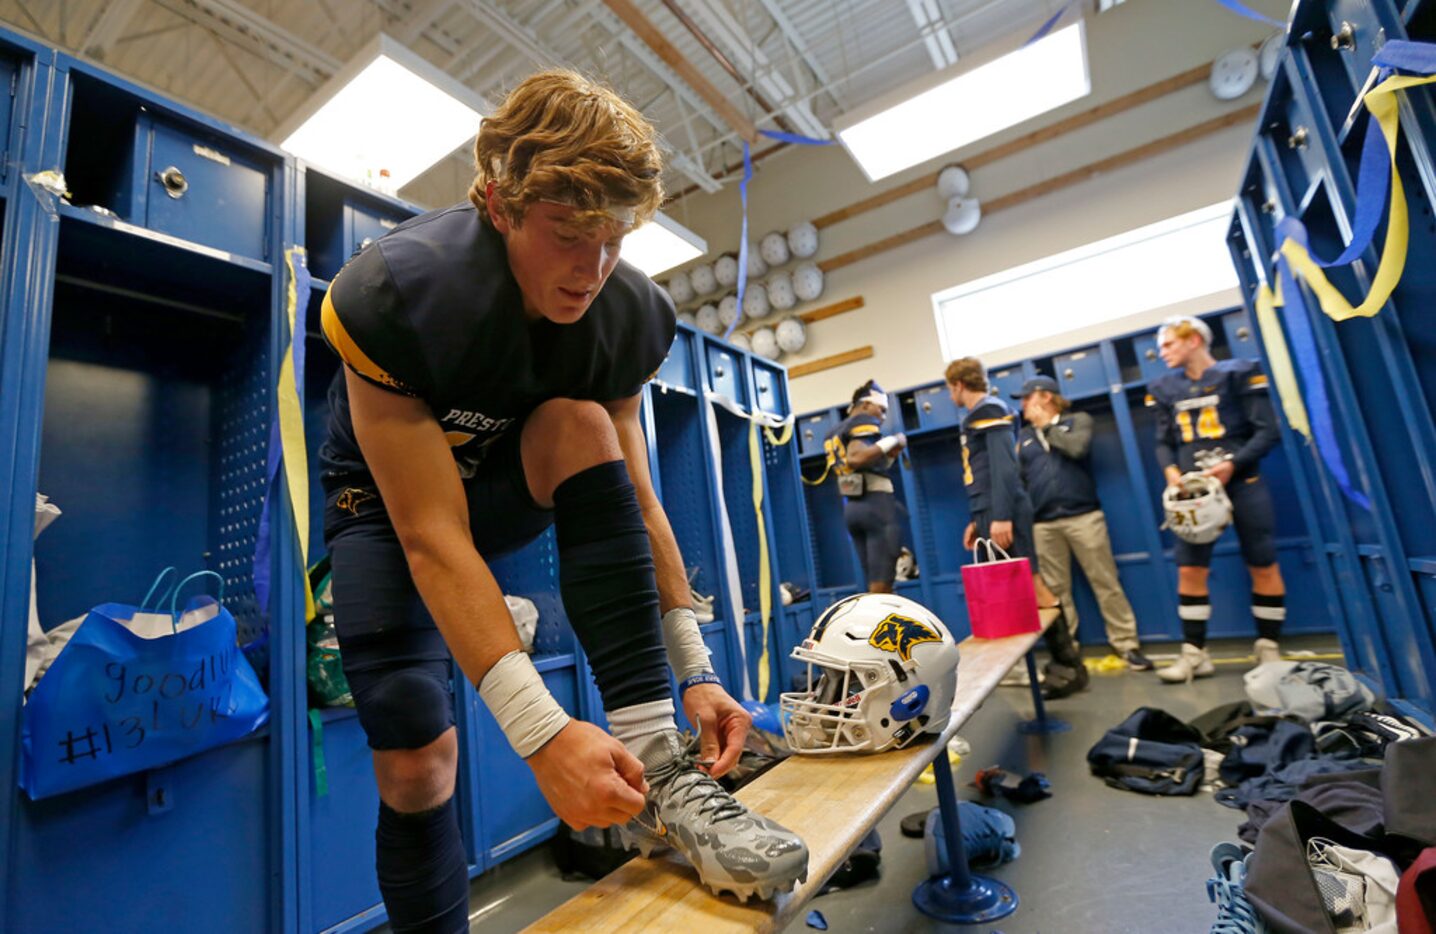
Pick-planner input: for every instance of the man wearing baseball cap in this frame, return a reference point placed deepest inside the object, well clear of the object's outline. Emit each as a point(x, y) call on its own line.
point(1052, 451)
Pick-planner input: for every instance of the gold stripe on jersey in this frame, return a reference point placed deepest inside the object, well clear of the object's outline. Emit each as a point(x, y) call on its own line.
point(351, 353)
point(858, 430)
point(990, 422)
point(1258, 381)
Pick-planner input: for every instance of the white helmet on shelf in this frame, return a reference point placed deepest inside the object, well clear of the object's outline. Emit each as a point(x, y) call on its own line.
point(953, 182)
point(755, 300)
point(757, 266)
point(773, 248)
point(792, 335)
point(808, 281)
point(780, 291)
point(725, 270)
point(803, 239)
point(703, 281)
point(728, 311)
point(882, 670)
point(708, 320)
point(680, 289)
point(765, 343)
point(740, 340)
point(1197, 508)
point(687, 318)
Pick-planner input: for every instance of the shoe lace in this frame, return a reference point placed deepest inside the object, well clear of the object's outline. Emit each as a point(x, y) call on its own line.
point(1235, 914)
point(692, 785)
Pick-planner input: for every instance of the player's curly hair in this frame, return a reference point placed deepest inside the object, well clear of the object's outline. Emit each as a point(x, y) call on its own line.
point(562, 137)
point(968, 371)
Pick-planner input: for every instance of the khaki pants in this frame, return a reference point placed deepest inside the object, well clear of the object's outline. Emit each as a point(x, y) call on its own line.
point(1085, 536)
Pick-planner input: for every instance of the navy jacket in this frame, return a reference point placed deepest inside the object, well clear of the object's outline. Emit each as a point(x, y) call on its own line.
point(1056, 468)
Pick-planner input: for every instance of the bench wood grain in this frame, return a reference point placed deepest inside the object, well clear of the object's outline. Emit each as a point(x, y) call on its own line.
point(830, 801)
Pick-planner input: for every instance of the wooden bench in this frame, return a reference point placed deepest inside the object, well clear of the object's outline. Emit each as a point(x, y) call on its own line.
point(832, 802)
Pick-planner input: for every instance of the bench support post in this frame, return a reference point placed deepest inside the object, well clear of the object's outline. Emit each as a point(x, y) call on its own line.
point(959, 897)
point(1041, 724)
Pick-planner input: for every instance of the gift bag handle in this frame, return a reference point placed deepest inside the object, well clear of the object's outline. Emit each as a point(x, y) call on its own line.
point(174, 598)
point(991, 547)
point(159, 579)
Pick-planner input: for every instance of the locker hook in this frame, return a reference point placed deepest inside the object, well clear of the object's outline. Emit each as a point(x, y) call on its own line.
point(174, 181)
point(1298, 138)
point(1344, 39)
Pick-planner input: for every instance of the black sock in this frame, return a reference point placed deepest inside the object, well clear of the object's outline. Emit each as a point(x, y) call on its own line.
point(1060, 644)
point(423, 872)
point(1270, 613)
point(610, 592)
point(1195, 612)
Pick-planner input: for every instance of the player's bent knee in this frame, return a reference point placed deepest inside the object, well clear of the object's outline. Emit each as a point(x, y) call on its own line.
point(416, 780)
point(576, 423)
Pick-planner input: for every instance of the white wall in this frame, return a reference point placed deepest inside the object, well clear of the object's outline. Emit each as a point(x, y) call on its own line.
point(1132, 46)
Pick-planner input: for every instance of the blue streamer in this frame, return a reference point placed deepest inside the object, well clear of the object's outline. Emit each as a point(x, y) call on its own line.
point(1404, 55)
point(1372, 182)
point(1303, 345)
point(1243, 10)
point(781, 137)
point(1046, 27)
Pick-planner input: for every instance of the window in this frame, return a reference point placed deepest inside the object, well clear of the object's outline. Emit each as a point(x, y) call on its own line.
point(1144, 270)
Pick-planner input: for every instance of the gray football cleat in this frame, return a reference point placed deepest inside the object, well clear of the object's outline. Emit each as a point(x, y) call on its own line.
point(733, 849)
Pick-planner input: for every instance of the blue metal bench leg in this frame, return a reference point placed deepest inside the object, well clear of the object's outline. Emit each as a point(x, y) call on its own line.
point(1042, 723)
point(959, 897)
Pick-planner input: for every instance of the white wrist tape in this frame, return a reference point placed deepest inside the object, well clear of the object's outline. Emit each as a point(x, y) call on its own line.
point(687, 653)
point(527, 713)
point(887, 444)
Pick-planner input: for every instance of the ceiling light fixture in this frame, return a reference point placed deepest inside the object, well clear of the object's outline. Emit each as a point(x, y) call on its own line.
point(661, 244)
point(388, 110)
point(981, 95)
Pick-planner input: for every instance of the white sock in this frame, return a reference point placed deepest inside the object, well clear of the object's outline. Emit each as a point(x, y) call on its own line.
point(632, 726)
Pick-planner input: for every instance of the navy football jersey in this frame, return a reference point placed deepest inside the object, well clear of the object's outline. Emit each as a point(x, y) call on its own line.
point(431, 310)
point(989, 459)
point(865, 428)
point(1225, 414)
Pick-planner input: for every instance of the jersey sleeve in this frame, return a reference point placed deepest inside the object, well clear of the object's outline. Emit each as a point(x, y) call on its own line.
point(651, 326)
point(1257, 405)
point(991, 425)
point(1165, 429)
point(991, 417)
point(364, 323)
point(864, 428)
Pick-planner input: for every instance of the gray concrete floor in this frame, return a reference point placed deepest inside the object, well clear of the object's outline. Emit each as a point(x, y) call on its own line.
point(1095, 860)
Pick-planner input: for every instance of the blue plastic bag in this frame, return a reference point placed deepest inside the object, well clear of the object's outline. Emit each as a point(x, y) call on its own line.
point(116, 702)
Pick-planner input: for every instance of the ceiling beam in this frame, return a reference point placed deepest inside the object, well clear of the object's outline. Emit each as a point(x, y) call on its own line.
point(108, 27)
point(247, 29)
point(653, 37)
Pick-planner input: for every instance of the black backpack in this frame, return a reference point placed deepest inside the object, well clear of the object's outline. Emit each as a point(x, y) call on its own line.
point(1151, 752)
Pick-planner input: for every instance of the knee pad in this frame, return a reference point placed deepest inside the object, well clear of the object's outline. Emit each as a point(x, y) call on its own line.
point(405, 708)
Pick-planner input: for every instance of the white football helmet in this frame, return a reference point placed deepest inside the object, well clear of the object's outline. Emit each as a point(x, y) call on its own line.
point(757, 266)
point(780, 291)
point(725, 270)
point(792, 335)
point(680, 289)
point(728, 311)
point(703, 280)
point(765, 344)
point(708, 320)
point(803, 239)
point(773, 248)
point(740, 340)
point(755, 300)
point(881, 670)
point(1197, 508)
point(808, 282)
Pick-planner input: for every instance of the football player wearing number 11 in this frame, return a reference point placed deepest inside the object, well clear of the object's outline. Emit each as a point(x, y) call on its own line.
point(1214, 417)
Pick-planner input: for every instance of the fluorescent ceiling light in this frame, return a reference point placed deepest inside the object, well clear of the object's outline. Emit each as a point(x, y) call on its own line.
point(969, 102)
point(387, 109)
point(661, 244)
point(1154, 267)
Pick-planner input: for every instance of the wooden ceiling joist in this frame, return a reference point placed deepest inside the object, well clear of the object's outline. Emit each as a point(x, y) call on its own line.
point(828, 363)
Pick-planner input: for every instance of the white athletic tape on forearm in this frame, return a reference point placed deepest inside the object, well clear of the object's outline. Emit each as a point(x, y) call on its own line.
point(525, 710)
point(688, 655)
point(887, 444)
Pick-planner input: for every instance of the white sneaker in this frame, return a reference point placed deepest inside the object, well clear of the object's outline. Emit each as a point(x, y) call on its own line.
point(1193, 663)
point(1266, 650)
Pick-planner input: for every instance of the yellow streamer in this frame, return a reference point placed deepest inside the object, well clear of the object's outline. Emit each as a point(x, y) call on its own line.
point(1384, 106)
point(1279, 361)
point(291, 433)
point(765, 573)
point(777, 440)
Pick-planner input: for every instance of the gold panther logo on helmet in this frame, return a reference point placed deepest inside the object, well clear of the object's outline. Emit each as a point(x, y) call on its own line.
point(898, 634)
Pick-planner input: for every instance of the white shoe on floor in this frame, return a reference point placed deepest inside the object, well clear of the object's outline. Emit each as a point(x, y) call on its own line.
point(1017, 677)
point(1193, 663)
point(1266, 650)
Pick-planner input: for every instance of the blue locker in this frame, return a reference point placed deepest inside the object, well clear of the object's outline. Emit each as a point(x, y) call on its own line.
point(677, 368)
point(770, 389)
point(725, 372)
point(935, 408)
point(814, 429)
point(1241, 338)
point(201, 189)
point(1081, 373)
point(1007, 381)
point(1149, 359)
